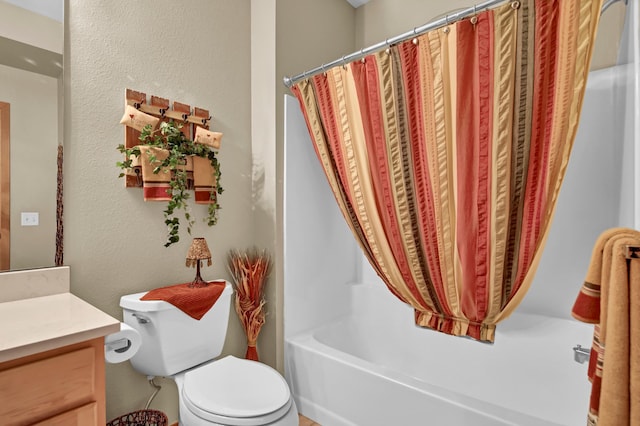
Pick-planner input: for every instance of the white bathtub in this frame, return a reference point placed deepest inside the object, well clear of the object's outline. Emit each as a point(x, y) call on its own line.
point(360, 370)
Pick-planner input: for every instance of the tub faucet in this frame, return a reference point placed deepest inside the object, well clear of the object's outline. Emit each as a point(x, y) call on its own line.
point(581, 354)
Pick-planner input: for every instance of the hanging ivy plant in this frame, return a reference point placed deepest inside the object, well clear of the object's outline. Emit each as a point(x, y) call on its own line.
point(169, 137)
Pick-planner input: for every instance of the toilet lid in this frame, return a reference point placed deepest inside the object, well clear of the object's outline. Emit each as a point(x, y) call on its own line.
point(236, 388)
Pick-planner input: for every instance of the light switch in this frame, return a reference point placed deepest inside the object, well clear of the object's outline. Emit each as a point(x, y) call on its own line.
point(29, 218)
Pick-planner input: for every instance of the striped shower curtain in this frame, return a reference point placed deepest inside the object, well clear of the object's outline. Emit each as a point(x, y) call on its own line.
point(446, 154)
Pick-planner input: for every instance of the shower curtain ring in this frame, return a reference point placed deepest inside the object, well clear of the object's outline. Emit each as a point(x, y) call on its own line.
point(362, 54)
point(474, 18)
point(388, 49)
point(344, 62)
point(446, 20)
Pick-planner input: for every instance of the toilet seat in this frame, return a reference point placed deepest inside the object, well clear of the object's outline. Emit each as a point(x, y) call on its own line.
point(237, 392)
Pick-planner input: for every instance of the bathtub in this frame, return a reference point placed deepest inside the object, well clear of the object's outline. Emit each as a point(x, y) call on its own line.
point(359, 370)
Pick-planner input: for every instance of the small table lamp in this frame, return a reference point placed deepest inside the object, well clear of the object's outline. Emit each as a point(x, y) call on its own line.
point(197, 252)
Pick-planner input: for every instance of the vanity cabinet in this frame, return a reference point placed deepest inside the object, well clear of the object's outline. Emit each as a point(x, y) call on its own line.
point(62, 386)
point(52, 368)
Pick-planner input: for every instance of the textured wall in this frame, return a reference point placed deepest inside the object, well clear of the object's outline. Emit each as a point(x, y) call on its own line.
point(288, 36)
point(308, 33)
point(263, 23)
point(196, 52)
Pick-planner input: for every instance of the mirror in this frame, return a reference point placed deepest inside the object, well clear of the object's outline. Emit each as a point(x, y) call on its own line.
point(31, 58)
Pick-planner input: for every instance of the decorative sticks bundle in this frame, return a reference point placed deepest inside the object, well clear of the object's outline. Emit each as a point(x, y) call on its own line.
point(249, 271)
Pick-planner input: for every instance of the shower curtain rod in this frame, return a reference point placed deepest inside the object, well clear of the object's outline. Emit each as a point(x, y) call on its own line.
point(437, 23)
point(446, 20)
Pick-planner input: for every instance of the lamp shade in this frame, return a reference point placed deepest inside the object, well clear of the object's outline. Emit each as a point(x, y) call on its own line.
point(199, 250)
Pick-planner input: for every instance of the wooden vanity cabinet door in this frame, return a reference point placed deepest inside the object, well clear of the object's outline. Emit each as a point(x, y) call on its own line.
point(55, 387)
point(85, 415)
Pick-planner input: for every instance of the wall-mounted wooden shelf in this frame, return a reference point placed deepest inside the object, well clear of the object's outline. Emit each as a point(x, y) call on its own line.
point(162, 109)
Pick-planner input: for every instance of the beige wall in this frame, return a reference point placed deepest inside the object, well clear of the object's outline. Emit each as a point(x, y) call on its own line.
point(605, 52)
point(263, 195)
point(196, 52)
point(288, 36)
point(381, 19)
point(308, 33)
point(42, 32)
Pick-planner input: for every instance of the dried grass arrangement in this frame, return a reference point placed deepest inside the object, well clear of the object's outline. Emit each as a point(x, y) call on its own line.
point(249, 271)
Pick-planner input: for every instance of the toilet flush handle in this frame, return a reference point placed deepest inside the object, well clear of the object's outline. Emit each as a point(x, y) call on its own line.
point(141, 318)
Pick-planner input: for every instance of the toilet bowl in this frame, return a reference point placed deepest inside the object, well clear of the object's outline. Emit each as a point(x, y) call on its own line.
point(237, 392)
point(225, 392)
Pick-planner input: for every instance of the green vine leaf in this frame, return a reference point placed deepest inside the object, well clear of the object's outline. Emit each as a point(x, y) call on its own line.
point(170, 137)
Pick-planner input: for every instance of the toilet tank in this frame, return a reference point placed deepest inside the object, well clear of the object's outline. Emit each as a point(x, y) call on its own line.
point(172, 341)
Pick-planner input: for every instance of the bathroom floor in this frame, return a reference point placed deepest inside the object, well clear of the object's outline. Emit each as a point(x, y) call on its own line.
point(307, 422)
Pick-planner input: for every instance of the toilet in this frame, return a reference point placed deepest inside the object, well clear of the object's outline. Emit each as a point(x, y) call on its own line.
point(228, 391)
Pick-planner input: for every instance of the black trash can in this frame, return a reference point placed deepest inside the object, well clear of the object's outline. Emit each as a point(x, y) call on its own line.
point(141, 418)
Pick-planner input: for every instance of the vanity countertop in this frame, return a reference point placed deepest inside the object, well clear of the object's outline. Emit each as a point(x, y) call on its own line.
point(38, 324)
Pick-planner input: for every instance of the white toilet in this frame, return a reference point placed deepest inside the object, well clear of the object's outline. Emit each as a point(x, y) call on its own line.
point(226, 392)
